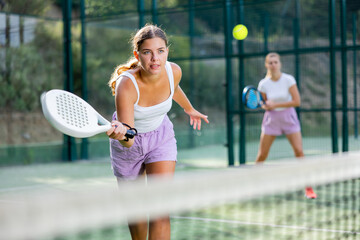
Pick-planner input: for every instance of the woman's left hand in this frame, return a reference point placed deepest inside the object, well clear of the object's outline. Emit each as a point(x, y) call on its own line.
point(195, 118)
point(269, 105)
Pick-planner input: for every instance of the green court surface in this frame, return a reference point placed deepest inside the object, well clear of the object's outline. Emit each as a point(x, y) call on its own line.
point(58, 175)
point(216, 155)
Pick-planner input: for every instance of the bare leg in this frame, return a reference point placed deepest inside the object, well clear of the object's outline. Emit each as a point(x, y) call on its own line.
point(159, 229)
point(265, 143)
point(295, 140)
point(138, 230)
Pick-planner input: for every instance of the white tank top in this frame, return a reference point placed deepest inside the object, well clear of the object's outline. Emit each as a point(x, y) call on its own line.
point(147, 119)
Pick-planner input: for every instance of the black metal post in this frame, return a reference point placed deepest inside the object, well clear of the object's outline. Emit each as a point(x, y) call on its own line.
point(141, 11)
point(191, 66)
point(242, 130)
point(356, 131)
point(154, 11)
point(296, 48)
point(228, 84)
point(345, 121)
point(84, 89)
point(332, 31)
point(69, 148)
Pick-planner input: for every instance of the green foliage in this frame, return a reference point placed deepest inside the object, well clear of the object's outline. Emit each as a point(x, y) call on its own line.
point(179, 47)
point(28, 78)
point(107, 8)
point(32, 68)
point(28, 7)
point(106, 49)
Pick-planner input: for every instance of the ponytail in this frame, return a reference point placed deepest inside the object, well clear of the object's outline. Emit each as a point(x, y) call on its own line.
point(131, 64)
point(268, 74)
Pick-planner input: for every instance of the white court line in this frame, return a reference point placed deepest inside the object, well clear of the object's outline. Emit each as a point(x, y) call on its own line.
point(84, 182)
point(265, 224)
point(12, 189)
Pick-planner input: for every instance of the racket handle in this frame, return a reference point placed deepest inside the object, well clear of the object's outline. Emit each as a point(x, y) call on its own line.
point(130, 133)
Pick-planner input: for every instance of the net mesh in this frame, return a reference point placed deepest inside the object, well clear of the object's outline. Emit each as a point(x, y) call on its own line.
point(250, 202)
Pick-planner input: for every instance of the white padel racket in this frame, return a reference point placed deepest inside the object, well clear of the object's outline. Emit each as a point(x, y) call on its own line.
point(73, 116)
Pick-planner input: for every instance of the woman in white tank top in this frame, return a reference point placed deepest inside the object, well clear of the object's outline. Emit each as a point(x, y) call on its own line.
point(144, 89)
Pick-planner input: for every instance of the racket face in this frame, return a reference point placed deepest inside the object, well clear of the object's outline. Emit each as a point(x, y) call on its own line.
point(252, 98)
point(71, 114)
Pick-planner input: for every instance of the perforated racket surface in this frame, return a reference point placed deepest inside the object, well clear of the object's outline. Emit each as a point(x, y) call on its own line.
point(252, 97)
point(73, 116)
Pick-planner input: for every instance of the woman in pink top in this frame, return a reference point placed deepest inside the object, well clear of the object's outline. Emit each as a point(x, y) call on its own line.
point(281, 96)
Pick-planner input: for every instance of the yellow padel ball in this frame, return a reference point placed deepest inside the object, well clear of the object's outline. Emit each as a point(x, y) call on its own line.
point(240, 32)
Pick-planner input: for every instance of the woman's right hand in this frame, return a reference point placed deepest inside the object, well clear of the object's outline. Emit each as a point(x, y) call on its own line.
point(117, 131)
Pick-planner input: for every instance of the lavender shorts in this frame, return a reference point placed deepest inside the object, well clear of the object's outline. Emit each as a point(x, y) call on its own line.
point(155, 146)
point(276, 123)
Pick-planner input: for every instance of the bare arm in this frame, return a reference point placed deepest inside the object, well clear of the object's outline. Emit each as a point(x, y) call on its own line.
point(181, 99)
point(125, 97)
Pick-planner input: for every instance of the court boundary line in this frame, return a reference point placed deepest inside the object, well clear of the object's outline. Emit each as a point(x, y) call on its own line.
point(265, 224)
point(29, 187)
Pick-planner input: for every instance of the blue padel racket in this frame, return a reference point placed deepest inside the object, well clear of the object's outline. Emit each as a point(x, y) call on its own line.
point(252, 97)
point(73, 116)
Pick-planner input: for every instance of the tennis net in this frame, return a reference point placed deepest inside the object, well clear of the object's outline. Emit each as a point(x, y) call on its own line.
point(250, 202)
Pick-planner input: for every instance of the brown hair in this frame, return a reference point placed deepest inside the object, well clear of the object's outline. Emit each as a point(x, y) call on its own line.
point(147, 32)
point(269, 55)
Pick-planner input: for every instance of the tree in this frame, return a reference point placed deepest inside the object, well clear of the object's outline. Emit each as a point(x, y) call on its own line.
point(14, 92)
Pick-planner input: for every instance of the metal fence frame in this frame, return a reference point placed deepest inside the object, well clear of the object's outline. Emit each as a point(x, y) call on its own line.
point(332, 49)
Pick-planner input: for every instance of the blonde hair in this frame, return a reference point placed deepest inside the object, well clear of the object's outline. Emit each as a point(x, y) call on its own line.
point(269, 55)
point(147, 32)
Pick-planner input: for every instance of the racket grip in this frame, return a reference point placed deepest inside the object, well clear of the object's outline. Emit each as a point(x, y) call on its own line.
point(130, 133)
